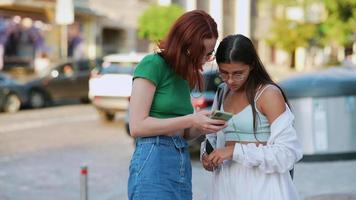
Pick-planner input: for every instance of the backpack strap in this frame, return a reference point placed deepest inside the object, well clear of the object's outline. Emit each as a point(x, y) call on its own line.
point(220, 94)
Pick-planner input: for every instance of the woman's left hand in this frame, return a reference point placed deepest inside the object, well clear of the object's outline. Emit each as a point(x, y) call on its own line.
point(218, 156)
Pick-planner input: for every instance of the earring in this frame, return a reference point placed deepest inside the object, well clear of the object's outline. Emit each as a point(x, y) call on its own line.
point(188, 52)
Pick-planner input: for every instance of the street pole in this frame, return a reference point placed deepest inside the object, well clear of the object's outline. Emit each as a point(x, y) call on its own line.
point(64, 41)
point(64, 17)
point(84, 183)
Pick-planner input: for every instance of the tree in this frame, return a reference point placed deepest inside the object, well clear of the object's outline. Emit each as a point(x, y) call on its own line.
point(290, 34)
point(339, 28)
point(155, 22)
point(340, 24)
point(336, 29)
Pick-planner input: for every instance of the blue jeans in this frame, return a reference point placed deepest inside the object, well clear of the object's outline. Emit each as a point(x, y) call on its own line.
point(160, 169)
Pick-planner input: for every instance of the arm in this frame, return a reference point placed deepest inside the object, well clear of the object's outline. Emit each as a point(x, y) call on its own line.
point(194, 133)
point(142, 125)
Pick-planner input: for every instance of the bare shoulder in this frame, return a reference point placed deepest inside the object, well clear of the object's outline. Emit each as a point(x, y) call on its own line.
point(271, 92)
point(272, 103)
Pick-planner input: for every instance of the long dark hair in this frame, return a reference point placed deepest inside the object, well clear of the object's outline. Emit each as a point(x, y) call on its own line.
point(183, 48)
point(239, 49)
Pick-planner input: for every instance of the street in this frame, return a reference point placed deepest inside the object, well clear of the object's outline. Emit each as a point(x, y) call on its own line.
point(41, 152)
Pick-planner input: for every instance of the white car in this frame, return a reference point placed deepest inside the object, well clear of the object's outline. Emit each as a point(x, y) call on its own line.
point(110, 84)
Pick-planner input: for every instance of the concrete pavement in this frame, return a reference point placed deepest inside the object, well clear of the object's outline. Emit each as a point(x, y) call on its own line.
point(41, 152)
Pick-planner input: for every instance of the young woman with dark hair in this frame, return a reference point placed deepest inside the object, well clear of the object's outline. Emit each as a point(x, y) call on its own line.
point(255, 152)
point(161, 113)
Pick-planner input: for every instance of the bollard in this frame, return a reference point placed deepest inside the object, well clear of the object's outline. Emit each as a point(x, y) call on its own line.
point(84, 183)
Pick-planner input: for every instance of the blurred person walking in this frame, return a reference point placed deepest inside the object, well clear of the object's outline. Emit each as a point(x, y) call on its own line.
point(255, 152)
point(348, 61)
point(161, 112)
point(4, 34)
point(42, 64)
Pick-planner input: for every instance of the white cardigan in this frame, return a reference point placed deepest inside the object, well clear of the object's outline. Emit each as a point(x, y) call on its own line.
point(282, 151)
point(258, 172)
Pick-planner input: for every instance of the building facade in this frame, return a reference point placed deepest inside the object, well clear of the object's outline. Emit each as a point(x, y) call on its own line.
point(29, 30)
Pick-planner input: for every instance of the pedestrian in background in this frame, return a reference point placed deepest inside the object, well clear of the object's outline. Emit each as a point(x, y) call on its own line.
point(42, 64)
point(254, 154)
point(4, 35)
point(161, 112)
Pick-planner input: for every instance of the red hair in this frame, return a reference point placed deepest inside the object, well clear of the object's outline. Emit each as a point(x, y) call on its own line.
point(183, 48)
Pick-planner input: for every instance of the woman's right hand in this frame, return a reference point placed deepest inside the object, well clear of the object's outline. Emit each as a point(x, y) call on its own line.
point(206, 163)
point(202, 121)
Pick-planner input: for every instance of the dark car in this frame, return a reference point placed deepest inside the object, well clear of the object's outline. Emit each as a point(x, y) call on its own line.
point(204, 99)
point(201, 100)
point(13, 95)
point(67, 80)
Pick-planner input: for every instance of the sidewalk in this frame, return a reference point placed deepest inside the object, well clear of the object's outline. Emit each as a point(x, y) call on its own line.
point(332, 180)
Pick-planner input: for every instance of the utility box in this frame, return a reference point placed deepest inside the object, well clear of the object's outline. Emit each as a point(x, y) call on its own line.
point(324, 105)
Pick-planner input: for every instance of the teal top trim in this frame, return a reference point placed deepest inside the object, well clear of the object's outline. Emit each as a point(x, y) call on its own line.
point(243, 122)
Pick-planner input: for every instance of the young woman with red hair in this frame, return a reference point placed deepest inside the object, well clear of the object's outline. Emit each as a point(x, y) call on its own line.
point(161, 113)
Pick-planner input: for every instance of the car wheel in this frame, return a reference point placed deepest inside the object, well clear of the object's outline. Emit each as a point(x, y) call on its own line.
point(12, 103)
point(106, 116)
point(37, 99)
point(85, 100)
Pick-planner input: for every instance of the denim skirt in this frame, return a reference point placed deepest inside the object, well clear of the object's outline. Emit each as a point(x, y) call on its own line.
point(160, 169)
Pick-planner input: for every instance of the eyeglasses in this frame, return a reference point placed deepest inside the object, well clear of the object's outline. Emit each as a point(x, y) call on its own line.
point(235, 77)
point(210, 56)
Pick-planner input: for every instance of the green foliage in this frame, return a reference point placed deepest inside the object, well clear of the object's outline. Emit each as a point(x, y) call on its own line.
point(155, 22)
point(340, 25)
point(289, 35)
point(284, 2)
point(337, 29)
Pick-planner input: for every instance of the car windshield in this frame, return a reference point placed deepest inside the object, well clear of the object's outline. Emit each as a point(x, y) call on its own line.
point(117, 69)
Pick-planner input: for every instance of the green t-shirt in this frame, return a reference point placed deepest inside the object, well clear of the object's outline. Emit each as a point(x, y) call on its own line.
point(172, 95)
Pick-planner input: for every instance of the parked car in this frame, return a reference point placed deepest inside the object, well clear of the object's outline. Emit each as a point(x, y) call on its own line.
point(67, 80)
point(205, 99)
point(13, 95)
point(200, 100)
point(110, 84)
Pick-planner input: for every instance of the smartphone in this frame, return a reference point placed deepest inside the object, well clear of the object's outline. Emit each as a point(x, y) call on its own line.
point(208, 147)
point(217, 114)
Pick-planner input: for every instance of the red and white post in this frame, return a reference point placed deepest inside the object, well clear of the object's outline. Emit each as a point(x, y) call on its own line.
point(84, 183)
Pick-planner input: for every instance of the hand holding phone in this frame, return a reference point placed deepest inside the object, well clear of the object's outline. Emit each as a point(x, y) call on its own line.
point(217, 114)
point(203, 122)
